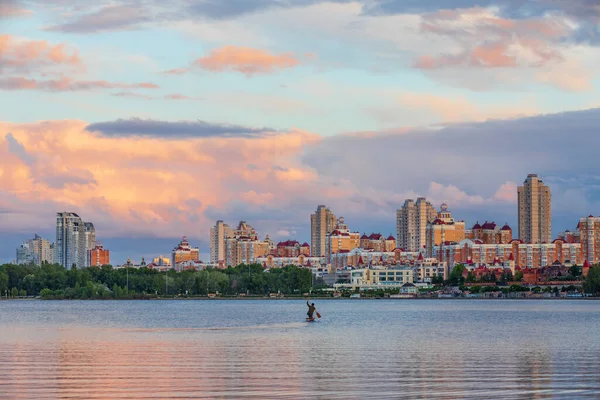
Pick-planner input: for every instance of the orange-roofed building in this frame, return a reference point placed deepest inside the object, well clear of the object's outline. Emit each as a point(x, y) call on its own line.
point(184, 252)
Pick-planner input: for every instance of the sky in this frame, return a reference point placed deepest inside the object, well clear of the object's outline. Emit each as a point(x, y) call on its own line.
point(154, 119)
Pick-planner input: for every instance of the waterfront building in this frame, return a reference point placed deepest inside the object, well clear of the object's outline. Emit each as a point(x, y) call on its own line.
point(571, 237)
point(89, 240)
point(25, 254)
point(490, 233)
point(98, 256)
point(411, 223)
point(244, 247)
point(377, 278)
point(515, 253)
point(359, 258)
point(189, 265)
point(341, 239)
point(302, 260)
point(161, 261)
point(292, 248)
point(322, 222)
point(36, 251)
point(589, 230)
point(443, 229)
point(272, 247)
point(73, 236)
point(184, 252)
point(218, 235)
point(377, 242)
point(425, 269)
point(534, 211)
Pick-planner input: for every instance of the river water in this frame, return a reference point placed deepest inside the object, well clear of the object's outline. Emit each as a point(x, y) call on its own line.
point(421, 349)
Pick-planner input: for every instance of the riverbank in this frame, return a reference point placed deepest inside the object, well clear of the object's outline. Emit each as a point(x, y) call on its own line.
point(311, 298)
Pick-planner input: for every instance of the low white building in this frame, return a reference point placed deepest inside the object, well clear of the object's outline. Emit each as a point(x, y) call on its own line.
point(378, 278)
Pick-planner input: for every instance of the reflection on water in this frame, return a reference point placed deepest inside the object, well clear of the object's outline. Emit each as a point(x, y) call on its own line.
point(262, 349)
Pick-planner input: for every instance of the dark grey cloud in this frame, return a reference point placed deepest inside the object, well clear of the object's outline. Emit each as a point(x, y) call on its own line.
point(477, 158)
point(17, 148)
point(166, 129)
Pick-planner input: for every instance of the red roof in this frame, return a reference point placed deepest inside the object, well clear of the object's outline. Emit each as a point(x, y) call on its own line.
point(586, 264)
point(287, 243)
point(420, 258)
point(391, 238)
point(360, 260)
point(489, 225)
point(476, 226)
point(438, 222)
point(364, 237)
point(506, 228)
point(375, 236)
point(511, 257)
point(305, 244)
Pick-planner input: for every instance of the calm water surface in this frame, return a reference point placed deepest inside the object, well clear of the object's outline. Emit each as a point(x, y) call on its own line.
point(263, 349)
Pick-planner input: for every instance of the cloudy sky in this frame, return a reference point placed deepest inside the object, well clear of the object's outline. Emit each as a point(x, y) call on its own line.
point(153, 119)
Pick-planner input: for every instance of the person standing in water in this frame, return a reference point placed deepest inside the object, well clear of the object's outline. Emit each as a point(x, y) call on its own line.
point(311, 309)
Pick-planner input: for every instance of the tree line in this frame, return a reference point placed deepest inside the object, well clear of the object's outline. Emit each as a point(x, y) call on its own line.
point(54, 281)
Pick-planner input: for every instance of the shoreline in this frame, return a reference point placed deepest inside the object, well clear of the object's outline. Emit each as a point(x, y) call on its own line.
point(312, 298)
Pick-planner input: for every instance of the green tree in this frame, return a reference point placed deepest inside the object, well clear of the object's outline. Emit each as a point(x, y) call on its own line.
point(14, 292)
point(592, 281)
point(575, 271)
point(46, 293)
point(22, 292)
point(518, 276)
point(3, 283)
point(456, 276)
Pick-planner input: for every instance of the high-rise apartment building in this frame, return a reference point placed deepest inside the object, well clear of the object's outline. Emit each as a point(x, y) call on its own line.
point(73, 236)
point(89, 239)
point(443, 230)
point(589, 232)
point(322, 222)
point(243, 247)
point(340, 239)
point(218, 234)
point(411, 223)
point(535, 211)
point(98, 256)
point(36, 251)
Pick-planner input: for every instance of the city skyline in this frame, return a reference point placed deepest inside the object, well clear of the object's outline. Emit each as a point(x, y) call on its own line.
point(155, 121)
point(425, 224)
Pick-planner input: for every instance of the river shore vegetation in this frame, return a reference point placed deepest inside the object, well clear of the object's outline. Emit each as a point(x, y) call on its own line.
point(53, 281)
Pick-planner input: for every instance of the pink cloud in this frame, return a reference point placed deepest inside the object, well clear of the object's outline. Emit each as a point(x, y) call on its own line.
point(480, 39)
point(245, 60)
point(178, 96)
point(177, 71)
point(10, 9)
point(507, 193)
point(18, 53)
point(67, 84)
point(142, 174)
point(457, 109)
